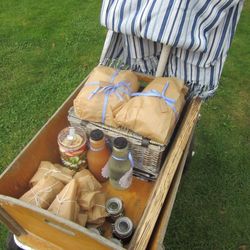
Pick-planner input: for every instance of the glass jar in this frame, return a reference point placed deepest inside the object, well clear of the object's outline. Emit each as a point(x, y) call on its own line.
point(98, 154)
point(72, 142)
point(114, 208)
point(123, 229)
point(120, 166)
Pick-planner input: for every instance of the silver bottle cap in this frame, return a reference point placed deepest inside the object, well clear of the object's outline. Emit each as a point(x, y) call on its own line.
point(123, 227)
point(114, 206)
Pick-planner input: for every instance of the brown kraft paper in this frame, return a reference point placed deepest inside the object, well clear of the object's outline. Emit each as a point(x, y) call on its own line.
point(46, 168)
point(82, 173)
point(88, 184)
point(86, 181)
point(66, 174)
point(82, 219)
point(152, 117)
point(44, 192)
point(97, 223)
point(90, 107)
point(97, 214)
point(86, 200)
point(65, 204)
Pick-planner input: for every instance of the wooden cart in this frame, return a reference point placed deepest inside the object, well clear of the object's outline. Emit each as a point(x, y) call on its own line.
point(148, 204)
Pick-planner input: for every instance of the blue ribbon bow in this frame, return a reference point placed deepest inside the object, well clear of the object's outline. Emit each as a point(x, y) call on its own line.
point(154, 93)
point(130, 158)
point(118, 89)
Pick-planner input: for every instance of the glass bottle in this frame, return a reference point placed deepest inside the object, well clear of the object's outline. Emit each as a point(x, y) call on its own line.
point(119, 165)
point(98, 154)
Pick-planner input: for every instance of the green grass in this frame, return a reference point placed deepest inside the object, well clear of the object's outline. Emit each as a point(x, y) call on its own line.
point(46, 49)
point(212, 210)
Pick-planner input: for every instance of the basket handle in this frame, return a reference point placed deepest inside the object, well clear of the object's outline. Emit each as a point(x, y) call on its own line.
point(163, 60)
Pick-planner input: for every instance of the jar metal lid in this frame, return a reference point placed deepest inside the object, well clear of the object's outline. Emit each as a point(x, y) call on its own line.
point(96, 135)
point(120, 142)
point(114, 206)
point(123, 226)
point(79, 138)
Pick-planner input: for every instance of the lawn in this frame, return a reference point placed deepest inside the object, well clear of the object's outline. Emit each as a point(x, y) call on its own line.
point(48, 47)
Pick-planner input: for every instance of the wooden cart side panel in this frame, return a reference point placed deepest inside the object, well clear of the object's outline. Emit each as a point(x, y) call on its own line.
point(158, 235)
point(15, 178)
point(161, 188)
point(61, 232)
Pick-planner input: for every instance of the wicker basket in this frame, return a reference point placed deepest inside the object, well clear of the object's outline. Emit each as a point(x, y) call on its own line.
point(147, 154)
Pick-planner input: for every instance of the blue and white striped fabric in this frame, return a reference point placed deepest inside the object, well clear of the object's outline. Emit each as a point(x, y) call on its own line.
point(200, 33)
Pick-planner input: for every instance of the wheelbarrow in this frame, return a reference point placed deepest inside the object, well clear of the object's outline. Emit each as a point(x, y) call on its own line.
point(35, 228)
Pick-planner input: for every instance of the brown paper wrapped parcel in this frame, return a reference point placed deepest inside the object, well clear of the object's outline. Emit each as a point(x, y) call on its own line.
point(82, 219)
point(44, 192)
point(86, 181)
point(97, 214)
point(154, 112)
point(82, 173)
point(86, 200)
point(65, 203)
point(104, 93)
point(47, 168)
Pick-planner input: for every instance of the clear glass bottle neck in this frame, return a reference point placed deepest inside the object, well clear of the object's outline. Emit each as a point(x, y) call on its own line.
point(121, 153)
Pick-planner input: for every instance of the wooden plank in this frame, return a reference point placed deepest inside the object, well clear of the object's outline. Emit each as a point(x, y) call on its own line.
point(161, 188)
point(14, 227)
point(158, 235)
